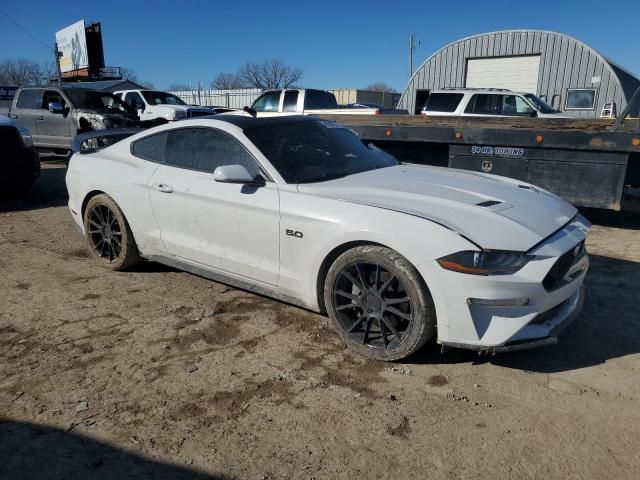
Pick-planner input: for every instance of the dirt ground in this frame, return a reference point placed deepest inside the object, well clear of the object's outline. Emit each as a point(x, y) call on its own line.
point(160, 374)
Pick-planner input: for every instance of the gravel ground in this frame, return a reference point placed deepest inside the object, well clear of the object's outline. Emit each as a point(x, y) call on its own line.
point(156, 373)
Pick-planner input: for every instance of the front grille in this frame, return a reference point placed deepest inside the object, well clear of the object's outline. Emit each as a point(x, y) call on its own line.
point(197, 113)
point(556, 276)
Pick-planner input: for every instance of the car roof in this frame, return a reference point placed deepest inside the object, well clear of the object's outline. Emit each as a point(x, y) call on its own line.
point(478, 90)
point(245, 122)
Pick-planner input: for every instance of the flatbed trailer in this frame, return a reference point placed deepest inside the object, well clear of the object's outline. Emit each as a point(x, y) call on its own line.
point(590, 163)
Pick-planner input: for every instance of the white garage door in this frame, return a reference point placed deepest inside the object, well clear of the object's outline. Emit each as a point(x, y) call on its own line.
point(515, 73)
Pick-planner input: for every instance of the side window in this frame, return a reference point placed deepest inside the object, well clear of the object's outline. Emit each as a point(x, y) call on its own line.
point(30, 99)
point(515, 105)
point(151, 148)
point(443, 102)
point(269, 102)
point(318, 99)
point(206, 149)
point(51, 96)
point(134, 99)
point(290, 103)
point(486, 104)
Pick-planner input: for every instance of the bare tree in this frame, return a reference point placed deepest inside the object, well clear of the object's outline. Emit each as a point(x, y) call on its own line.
point(381, 87)
point(21, 72)
point(228, 81)
point(128, 74)
point(49, 72)
point(272, 73)
point(179, 87)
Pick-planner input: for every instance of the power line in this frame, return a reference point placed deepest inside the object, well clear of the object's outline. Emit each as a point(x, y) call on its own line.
point(48, 47)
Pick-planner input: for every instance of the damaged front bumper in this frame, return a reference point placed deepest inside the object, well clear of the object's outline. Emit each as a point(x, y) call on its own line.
point(563, 316)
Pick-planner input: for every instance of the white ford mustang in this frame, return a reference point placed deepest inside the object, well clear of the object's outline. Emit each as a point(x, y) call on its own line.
point(300, 209)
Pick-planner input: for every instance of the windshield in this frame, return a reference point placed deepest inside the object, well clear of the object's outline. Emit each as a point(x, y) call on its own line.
point(159, 98)
point(99, 101)
point(317, 151)
point(540, 104)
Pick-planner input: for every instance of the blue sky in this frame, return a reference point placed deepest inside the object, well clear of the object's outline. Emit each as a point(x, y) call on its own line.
point(337, 44)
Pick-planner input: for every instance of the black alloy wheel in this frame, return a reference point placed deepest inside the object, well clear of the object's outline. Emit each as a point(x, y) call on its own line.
point(372, 305)
point(379, 303)
point(108, 234)
point(105, 232)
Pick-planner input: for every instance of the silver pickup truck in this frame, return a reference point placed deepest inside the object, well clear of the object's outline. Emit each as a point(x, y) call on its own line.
point(55, 115)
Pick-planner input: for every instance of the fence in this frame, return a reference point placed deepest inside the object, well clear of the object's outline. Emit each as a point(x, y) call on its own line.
point(245, 96)
point(220, 98)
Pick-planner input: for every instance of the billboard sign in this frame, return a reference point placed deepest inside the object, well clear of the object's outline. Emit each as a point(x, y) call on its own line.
point(72, 43)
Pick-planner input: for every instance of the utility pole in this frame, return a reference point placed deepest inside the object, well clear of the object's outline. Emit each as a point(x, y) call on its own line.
point(58, 54)
point(412, 47)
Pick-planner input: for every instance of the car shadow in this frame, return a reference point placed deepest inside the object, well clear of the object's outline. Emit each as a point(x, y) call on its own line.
point(628, 220)
point(49, 190)
point(608, 328)
point(35, 452)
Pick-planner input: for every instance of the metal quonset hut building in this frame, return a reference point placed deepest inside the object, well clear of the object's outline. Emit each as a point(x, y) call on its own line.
point(563, 71)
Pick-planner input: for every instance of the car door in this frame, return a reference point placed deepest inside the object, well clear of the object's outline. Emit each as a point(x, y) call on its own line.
point(134, 99)
point(228, 227)
point(484, 104)
point(53, 129)
point(269, 104)
point(27, 108)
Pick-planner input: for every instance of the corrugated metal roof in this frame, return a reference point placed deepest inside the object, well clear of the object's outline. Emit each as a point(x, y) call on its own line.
point(107, 85)
point(565, 63)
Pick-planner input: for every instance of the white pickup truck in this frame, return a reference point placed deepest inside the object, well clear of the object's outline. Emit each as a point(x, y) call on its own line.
point(293, 101)
point(155, 107)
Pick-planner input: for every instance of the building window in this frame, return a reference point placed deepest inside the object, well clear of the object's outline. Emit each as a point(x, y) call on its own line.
point(580, 99)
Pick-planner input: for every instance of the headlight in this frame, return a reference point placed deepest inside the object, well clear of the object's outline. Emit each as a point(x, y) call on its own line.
point(490, 262)
point(179, 115)
point(27, 139)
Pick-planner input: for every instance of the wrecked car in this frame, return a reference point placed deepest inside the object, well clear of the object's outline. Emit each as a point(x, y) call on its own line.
point(55, 115)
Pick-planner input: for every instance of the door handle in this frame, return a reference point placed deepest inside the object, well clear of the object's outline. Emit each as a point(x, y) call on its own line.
point(163, 187)
point(13, 115)
point(40, 118)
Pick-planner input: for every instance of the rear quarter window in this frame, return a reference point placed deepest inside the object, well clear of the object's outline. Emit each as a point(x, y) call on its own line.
point(151, 148)
point(318, 99)
point(443, 102)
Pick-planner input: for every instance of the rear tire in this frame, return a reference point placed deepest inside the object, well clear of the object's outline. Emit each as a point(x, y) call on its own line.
point(379, 303)
point(108, 234)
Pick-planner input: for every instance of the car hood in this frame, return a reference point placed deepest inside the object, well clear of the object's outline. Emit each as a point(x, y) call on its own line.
point(493, 212)
point(97, 118)
point(184, 108)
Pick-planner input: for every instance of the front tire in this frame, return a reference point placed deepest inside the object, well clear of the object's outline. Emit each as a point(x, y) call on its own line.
point(108, 234)
point(379, 303)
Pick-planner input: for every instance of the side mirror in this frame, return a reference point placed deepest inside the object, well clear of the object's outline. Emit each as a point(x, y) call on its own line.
point(533, 113)
point(139, 106)
point(56, 107)
point(236, 174)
